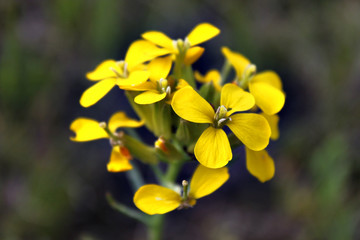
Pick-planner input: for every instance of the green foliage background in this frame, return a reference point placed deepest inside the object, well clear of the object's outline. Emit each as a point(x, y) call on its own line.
point(51, 188)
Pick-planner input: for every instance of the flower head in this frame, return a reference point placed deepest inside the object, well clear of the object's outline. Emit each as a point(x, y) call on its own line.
point(88, 129)
point(266, 87)
point(155, 199)
point(213, 148)
point(128, 72)
point(199, 34)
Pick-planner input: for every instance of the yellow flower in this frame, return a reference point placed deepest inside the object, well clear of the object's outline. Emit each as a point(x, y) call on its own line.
point(213, 148)
point(273, 121)
point(199, 34)
point(260, 164)
point(212, 76)
point(88, 129)
point(154, 199)
point(158, 87)
point(128, 72)
point(266, 87)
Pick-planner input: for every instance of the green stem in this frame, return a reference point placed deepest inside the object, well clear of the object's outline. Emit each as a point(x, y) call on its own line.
point(158, 173)
point(155, 229)
point(225, 71)
point(139, 216)
point(173, 171)
point(135, 177)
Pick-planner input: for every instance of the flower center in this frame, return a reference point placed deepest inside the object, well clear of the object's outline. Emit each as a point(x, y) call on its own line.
point(163, 86)
point(124, 73)
point(248, 74)
point(220, 118)
point(181, 45)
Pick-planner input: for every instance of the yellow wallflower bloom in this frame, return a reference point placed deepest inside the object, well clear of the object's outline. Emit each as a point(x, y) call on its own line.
point(128, 72)
point(199, 34)
point(266, 87)
point(213, 148)
point(157, 88)
point(212, 76)
point(273, 121)
point(260, 164)
point(88, 129)
point(154, 199)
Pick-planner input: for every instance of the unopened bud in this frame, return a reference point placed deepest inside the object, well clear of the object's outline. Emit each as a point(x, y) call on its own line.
point(126, 153)
point(160, 144)
point(250, 70)
point(102, 124)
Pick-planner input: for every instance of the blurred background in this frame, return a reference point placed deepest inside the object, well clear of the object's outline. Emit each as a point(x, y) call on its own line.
point(51, 188)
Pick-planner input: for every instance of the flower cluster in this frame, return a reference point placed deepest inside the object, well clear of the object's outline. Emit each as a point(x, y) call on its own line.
point(193, 115)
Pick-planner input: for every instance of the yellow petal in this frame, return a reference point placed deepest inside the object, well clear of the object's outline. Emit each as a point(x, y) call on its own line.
point(159, 68)
point(193, 54)
point(212, 75)
point(145, 86)
point(236, 99)
point(104, 70)
point(273, 121)
point(135, 78)
point(213, 148)
point(154, 199)
point(87, 130)
point(206, 181)
point(181, 84)
point(252, 129)
point(238, 61)
point(269, 77)
point(268, 98)
point(189, 105)
point(141, 51)
point(149, 97)
point(118, 162)
point(159, 39)
point(120, 119)
point(202, 33)
point(97, 91)
point(260, 164)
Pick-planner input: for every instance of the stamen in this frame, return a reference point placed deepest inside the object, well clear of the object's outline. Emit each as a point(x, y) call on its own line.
point(168, 90)
point(221, 120)
point(116, 72)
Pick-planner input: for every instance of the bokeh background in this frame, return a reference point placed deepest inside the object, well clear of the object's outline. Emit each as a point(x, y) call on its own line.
point(51, 188)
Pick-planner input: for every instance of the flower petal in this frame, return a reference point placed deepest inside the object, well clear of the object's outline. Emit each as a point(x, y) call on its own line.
point(236, 99)
point(202, 33)
point(149, 97)
point(154, 199)
point(141, 51)
point(120, 119)
point(193, 54)
point(212, 75)
point(87, 130)
point(189, 105)
point(97, 91)
point(104, 70)
point(135, 78)
point(206, 181)
point(118, 162)
point(213, 148)
point(269, 77)
point(252, 129)
point(145, 86)
point(273, 121)
point(238, 61)
point(159, 68)
point(268, 98)
point(159, 39)
point(260, 164)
